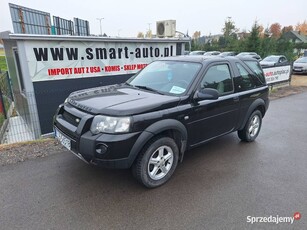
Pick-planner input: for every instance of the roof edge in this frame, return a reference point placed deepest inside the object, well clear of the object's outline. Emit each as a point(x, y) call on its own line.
point(8, 35)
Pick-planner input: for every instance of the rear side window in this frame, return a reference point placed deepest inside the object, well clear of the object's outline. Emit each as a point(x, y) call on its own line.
point(282, 59)
point(258, 78)
point(244, 81)
point(218, 77)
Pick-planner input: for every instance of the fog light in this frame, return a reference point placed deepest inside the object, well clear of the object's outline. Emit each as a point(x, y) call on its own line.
point(101, 149)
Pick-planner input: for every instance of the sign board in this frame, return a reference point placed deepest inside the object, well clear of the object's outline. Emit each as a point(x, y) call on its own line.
point(56, 60)
point(277, 74)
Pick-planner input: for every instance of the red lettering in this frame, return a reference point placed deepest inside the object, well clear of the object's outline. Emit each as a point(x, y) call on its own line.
point(129, 67)
point(95, 69)
point(141, 66)
point(59, 71)
point(112, 68)
point(79, 70)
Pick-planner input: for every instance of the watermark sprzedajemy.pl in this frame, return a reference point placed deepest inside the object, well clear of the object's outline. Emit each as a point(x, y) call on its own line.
point(273, 219)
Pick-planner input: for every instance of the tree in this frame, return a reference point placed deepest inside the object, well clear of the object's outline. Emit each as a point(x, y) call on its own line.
point(275, 30)
point(140, 35)
point(286, 48)
point(195, 44)
point(196, 35)
point(267, 46)
point(253, 41)
point(229, 29)
point(302, 27)
point(229, 35)
point(286, 29)
point(261, 31)
point(258, 40)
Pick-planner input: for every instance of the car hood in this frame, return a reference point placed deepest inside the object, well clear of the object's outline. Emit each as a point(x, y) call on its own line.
point(300, 64)
point(120, 100)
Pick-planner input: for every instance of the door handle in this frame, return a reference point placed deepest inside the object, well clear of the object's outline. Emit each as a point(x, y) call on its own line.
point(236, 99)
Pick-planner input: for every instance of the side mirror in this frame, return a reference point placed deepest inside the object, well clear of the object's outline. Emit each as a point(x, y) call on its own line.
point(206, 94)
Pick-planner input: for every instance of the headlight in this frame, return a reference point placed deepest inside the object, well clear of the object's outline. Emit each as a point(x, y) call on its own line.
point(105, 124)
point(66, 100)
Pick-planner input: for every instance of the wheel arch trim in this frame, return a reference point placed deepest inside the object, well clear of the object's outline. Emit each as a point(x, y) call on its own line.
point(251, 109)
point(153, 130)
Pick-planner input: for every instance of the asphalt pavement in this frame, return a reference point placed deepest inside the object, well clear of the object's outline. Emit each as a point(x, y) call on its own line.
point(220, 185)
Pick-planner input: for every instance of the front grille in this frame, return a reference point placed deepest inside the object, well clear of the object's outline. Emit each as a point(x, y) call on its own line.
point(71, 118)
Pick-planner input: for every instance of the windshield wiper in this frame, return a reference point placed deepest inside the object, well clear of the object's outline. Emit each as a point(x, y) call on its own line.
point(126, 83)
point(147, 88)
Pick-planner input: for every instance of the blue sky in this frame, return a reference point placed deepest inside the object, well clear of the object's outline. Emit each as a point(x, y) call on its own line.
point(127, 18)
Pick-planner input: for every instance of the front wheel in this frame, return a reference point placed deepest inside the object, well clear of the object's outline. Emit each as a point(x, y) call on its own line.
point(252, 128)
point(157, 162)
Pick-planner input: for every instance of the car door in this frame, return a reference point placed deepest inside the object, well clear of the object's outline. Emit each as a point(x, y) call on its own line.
point(212, 118)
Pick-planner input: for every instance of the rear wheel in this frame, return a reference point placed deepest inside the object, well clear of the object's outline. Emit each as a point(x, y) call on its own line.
point(252, 128)
point(157, 162)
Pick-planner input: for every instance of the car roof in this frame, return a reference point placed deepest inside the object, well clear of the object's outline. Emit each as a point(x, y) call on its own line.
point(247, 53)
point(275, 56)
point(198, 51)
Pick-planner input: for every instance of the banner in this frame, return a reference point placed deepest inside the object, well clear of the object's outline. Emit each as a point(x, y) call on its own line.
point(53, 60)
point(277, 74)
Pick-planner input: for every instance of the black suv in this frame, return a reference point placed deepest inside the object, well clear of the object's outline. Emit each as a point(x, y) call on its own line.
point(171, 106)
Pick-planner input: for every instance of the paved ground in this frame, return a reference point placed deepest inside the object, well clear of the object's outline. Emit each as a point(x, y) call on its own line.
point(217, 186)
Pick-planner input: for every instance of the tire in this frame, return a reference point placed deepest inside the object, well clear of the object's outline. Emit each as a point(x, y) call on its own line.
point(252, 127)
point(157, 162)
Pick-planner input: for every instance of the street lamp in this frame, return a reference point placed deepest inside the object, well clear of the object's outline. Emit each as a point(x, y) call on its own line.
point(100, 19)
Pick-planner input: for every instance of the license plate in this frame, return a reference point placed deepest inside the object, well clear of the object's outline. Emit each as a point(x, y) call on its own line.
point(63, 140)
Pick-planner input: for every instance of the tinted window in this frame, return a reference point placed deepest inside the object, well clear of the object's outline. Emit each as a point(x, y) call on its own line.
point(256, 68)
point(244, 81)
point(282, 59)
point(218, 77)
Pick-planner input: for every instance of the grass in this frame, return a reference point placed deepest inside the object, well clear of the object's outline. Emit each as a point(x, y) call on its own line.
point(1, 119)
point(3, 66)
point(273, 90)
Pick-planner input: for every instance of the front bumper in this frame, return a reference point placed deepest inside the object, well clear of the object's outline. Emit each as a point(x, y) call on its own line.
point(299, 70)
point(107, 150)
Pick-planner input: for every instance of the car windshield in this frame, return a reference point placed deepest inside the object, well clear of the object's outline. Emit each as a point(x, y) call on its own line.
point(301, 60)
point(166, 77)
point(271, 59)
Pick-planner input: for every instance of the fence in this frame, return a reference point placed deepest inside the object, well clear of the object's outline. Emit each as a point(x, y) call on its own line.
point(17, 114)
point(6, 101)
